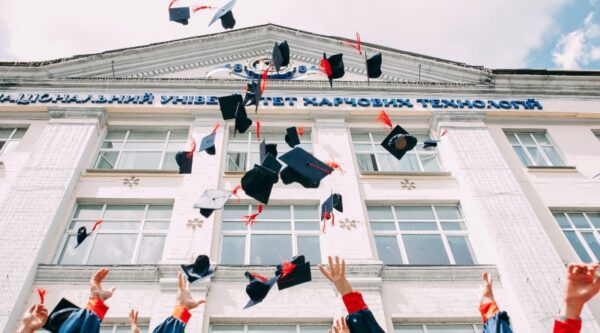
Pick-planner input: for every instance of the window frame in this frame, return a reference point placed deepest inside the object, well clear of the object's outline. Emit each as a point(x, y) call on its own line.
point(538, 147)
point(425, 326)
point(245, 328)
point(140, 232)
point(580, 231)
point(248, 232)
point(444, 234)
point(11, 137)
point(375, 154)
point(144, 325)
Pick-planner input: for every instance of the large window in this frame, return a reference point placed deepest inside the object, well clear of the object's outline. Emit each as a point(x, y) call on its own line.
point(147, 150)
point(129, 234)
point(583, 232)
point(420, 235)
point(121, 328)
point(269, 328)
point(243, 149)
point(372, 157)
point(534, 149)
point(9, 139)
point(438, 328)
point(279, 233)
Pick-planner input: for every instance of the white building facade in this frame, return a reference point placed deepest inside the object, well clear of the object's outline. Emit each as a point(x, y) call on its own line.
point(513, 187)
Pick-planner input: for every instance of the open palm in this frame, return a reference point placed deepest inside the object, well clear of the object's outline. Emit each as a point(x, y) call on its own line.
point(96, 289)
point(184, 295)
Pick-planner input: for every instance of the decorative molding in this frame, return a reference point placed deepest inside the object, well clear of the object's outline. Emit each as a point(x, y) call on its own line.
point(348, 224)
point(79, 113)
point(131, 181)
point(408, 185)
point(194, 223)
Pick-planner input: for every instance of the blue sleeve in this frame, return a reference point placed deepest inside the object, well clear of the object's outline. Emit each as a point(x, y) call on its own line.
point(500, 323)
point(363, 322)
point(81, 321)
point(170, 325)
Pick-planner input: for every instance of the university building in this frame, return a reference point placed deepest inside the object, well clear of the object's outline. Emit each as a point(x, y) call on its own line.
point(513, 187)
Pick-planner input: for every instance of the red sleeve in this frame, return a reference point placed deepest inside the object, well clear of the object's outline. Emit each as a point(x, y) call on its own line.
point(488, 310)
point(97, 306)
point(354, 302)
point(567, 326)
point(182, 313)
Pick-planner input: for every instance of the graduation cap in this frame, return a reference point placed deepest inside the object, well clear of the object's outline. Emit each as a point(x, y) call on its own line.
point(430, 144)
point(270, 162)
point(82, 233)
point(253, 94)
point(293, 273)
point(179, 14)
point(208, 144)
point(229, 105)
point(242, 122)
point(281, 55)
point(200, 269)
point(333, 202)
point(303, 168)
point(292, 137)
point(399, 142)
point(211, 200)
point(258, 288)
point(225, 15)
point(258, 183)
point(59, 315)
point(267, 148)
point(184, 159)
point(373, 66)
point(333, 67)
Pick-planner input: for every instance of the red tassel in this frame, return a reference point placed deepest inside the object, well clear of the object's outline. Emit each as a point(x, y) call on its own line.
point(217, 125)
point(171, 3)
point(384, 119)
point(95, 226)
point(323, 170)
point(263, 82)
point(258, 129)
point(235, 191)
point(286, 269)
point(42, 292)
point(199, 8)
point(259, 277)
point(355, 44)
point(326, 67)
point(444, 132)
point(300, 131)
point(335, 166)
point(190, 154)
point(251, 219)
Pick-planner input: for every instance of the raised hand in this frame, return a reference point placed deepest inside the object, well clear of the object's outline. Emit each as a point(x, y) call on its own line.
point(184, 295)
point(487, 292)
point(336, 273)
point(133, 321)
point(96, 285)
point(340, 326)
point(34, 318)
point(582, 285)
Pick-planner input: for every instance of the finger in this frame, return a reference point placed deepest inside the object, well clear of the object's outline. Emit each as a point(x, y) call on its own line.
point(343, 272)
point(325, 272)
point(200, 302)
point(344, 326)
point(112, 290)
point(337, 265)
point(31, 308)
point(180, 282)
point(330, 264)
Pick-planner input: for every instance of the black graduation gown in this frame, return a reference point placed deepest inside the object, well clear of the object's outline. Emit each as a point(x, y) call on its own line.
point(360, 318)
point(175, 323)
point(85, 320)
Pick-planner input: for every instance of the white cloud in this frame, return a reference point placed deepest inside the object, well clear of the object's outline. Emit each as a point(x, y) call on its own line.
point(579, 47)
point(494, 33)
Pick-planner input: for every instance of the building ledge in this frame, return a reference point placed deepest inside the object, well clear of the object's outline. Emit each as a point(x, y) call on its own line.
point(568, 169)
point(400, 174)
point(438, 273)
point(129, 172)
point(234, 174)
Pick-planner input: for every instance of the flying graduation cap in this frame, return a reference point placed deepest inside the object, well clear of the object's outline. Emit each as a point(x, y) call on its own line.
point(225, 14)
point(199, 270)
point(399, 142)
point(293, 273)
point(430, 144)
point(253, 94)
point(303, 168)
point(267, 148)
point(258, 183)
point(232, 107)
point(281, 55)
point(82, 233)
point(333, 67)
point(258, 288)
point(333, 202)
point(373, 66)
point(179, 14)
point(292, 136)
point(208, 142)
point(59, 315)
point(211, 200)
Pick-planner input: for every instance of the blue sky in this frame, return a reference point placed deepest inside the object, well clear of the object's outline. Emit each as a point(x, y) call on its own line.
point(561, 34)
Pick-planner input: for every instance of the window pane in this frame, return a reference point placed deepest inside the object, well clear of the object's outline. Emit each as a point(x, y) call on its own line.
point(106, 329)
point(233, 225)
point(147, 135)
point(414, 213)
point(366, 162)
point(151, 250)
point(5, 133)
point(450, 328)
point(314, 328)
point(526, 139)
point(579, 220)
point(169, 162)
point(595, 218)
point(19, 133)
point(364, 137)
point(88, 212)
point(233, 248)
point(306, 213)
point(116, 135)
point(236, 162)
point(408, 163)
point(72, 255)
point(430, 163)
point(145, 145)
point(227, 328)
point(541, 138)
point(308, 226)
point(592, 243)
point(409, 329)
point(522, 156)
point(461, 249)
point(271, 329)
point(425, 250)
point(234, 212)
point(425, 226)
point(156, 225)
point(159, 212)
point(553, 156)
point(382, 226)
point(180, 135)
point(310, 248)
point(111, 249)
point(114, 212)
point(272, 225)
point(275, 213)
point(140, 160)
point(120, 225)
point(112, 145)
point(448, 212)
point(107, 160)
point(537, 157)
point(562, 220)
point(453, 226)
point(269, 249)
point(577, 246)
point(380, 213)
point(389, 163)
point(388, 250)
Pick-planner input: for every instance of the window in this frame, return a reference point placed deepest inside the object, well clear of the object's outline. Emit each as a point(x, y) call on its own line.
point(147, 150)
point(534, 149)
point(243, 145)
point(372, 157)
point(9, 139)
point(129, 234)
point(582, 231)
point(597, 133)
point(448, 328)
point(420, 235)
point(269, 328)
point(121, 328)
point(279, 233)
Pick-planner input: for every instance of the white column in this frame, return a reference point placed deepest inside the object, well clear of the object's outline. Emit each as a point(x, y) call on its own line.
point(529, 266)
point(38, 195)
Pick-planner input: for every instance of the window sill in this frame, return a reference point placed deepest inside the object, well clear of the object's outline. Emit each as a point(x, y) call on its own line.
point(129, 172)
point(400, 174)
point(551, 169)
point(234, 174)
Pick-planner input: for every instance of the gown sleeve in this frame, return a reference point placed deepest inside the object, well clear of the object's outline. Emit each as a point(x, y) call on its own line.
point(360, 319)
point(494, 320)
point(176, 322)
point(86, 320)
point(567, 326)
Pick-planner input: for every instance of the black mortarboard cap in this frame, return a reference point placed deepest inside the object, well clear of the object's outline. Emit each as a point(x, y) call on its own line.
point(300, 273)
point(281, 55)
point(59, 315)
point(242, 122)
point(253, 94)
point(211, 200)
point(399, 142)
point(272, 164)
point(208, 144)
point(292, 137)
point(82, 234)
point(267, 148)
point(200, 269)
point(229, 105)
point(225, 15)
point(179, 14)
point(258, 183)
point(374, 66)
point(337, 67)
point(307, 169)
point(430, 143)
point(333, 202)
point(184, 161)
point(257, 289)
